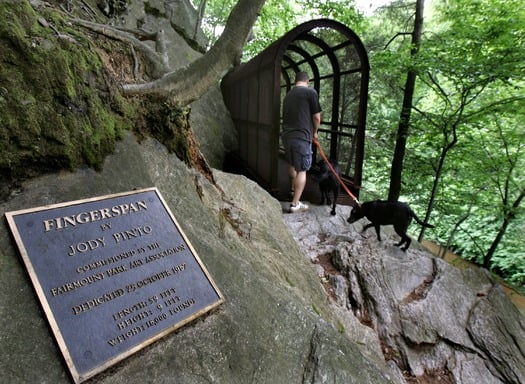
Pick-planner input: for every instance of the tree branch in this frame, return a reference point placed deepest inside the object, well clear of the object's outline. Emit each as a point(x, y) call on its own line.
point(189, 83)
point(396, 36)
point(159, 67)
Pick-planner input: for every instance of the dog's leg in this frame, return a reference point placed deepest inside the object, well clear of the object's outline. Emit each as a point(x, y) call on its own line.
point(401, 242)
point(336, 194)
point(405, 239)
point(378, 231)
point(365, 228)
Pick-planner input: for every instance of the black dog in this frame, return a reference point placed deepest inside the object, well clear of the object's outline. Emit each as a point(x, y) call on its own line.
point(393, 213)
point(328, 183)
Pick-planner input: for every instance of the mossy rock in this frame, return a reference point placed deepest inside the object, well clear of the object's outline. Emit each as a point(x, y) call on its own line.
point(58, 106)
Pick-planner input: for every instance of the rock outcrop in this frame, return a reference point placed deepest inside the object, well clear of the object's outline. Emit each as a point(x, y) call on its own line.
point(276, 325)
point(434, 321)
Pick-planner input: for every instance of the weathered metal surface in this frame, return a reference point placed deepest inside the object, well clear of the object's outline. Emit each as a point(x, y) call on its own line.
point(337, 62)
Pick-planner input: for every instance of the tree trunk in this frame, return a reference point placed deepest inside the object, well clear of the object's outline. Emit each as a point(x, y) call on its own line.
point(189, 83)
point(509, 215)
point(453, 233)
point(433, 194)
point(404, 118)
point(448, 144)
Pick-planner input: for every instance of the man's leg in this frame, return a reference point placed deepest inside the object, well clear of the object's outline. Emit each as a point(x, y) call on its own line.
point(300, 161)
point(299, 183)
point(292, 174)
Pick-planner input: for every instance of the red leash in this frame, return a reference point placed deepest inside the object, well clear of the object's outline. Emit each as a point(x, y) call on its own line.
point(316, 142)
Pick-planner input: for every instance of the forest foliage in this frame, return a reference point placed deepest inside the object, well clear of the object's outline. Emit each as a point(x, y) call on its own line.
point(465, 154)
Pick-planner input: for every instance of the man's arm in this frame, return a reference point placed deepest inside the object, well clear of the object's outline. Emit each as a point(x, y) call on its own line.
point(316, 121)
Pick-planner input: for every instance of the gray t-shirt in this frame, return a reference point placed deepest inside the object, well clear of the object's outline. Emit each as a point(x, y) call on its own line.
point(298, 107)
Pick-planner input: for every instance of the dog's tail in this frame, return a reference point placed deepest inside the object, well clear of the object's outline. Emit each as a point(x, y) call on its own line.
point(419, 221)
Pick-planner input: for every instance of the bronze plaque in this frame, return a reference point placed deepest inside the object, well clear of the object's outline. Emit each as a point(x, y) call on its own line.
point(113, 274)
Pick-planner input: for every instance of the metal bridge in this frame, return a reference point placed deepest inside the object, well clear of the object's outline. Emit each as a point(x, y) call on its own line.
point(337, 63)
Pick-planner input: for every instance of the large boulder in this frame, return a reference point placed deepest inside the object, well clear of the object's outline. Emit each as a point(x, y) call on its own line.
point(276, 325)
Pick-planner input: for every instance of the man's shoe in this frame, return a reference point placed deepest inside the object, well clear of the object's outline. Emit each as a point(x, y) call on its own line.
point(299, 207)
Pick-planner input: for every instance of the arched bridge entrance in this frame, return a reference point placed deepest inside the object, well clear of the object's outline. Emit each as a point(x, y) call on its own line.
point(337, 63)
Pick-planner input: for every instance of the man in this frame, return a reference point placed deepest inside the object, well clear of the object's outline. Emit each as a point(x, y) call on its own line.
point(301, 120)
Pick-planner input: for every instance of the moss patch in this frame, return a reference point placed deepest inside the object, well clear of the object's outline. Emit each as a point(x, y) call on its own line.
point(58, 106)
